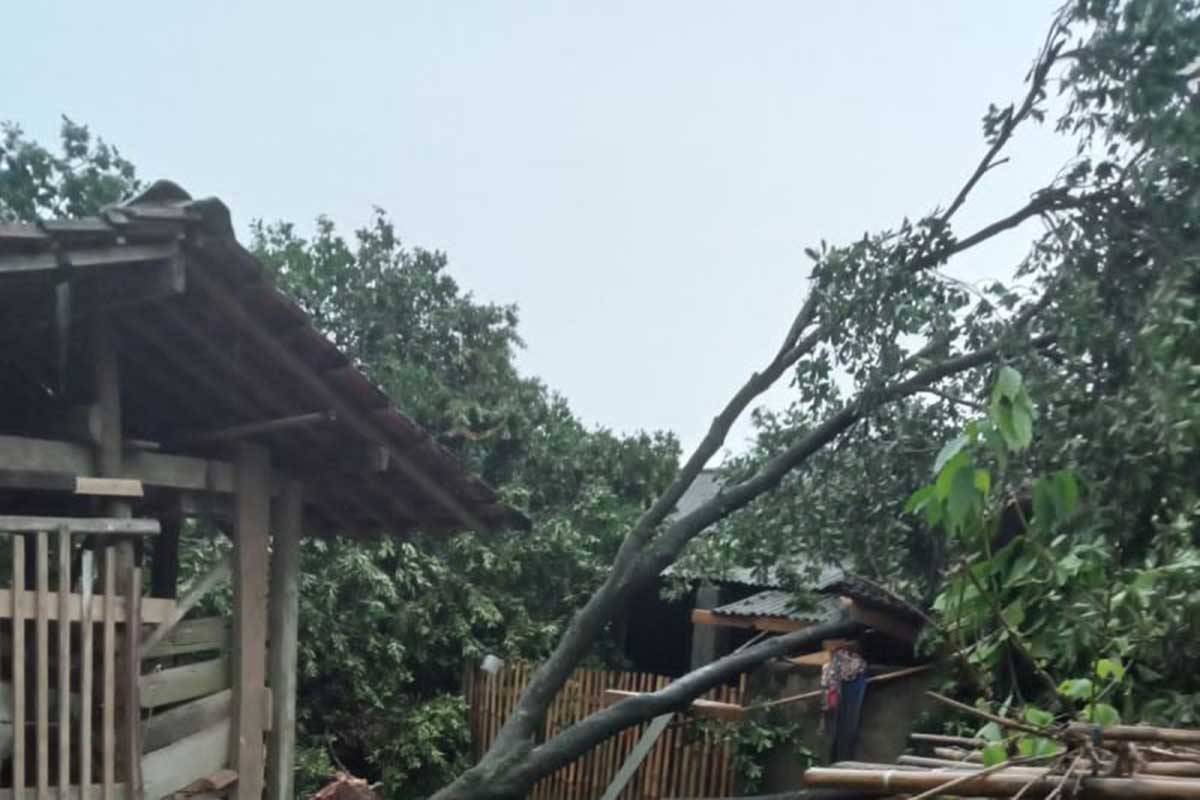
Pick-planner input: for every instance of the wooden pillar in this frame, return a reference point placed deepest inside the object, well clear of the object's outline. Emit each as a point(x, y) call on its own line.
point(284, 621)
point(164, 570)
point(251, 523)
point(109, 458)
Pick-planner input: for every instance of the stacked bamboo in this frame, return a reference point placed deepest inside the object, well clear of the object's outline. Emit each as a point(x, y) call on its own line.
point(1126, 761)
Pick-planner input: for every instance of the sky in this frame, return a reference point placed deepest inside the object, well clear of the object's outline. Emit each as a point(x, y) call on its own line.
point(639, 178)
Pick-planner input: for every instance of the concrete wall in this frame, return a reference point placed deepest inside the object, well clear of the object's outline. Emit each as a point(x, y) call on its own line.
point(889, 710)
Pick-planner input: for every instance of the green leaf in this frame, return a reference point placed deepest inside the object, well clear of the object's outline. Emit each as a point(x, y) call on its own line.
point(1008, 383)
point(1022, 427)
point(991, 732)
point(1076, 689)
point(1014, 614)
point(948, 451)
point(1110, 668)
point(1036, 746)
point(1036, 716)
point(1067, 491)
point(1043, 504)
point(1101, 714)
point(945, 478)
point(994, 753)
point(919, 499)
point(963, 497)
point(983, 481)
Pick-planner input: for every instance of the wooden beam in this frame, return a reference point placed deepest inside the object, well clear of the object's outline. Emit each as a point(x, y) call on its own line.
point(182, 721)
point(105, 526)
point(109, 487)
point(284, 618)
point(194, 594)
point(177, 684)
point(354, 419)
point(49, 457)
point(250, 545)
point(234, 432)
point(704, 709)
point(882, 621)
point(87, 257)
point(189, 759)
point(636, 756)
point(702, 616)
point(206, 634)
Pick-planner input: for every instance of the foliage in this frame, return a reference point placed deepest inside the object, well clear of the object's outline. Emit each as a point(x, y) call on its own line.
point(751, 741)
point(38, 184)
point(1048, 597)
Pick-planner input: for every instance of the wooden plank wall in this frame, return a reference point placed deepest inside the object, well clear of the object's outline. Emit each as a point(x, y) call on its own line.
point(684, 763)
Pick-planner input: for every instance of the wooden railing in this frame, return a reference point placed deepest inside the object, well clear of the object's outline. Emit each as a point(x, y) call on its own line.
point(685, 761)
point(55, 701)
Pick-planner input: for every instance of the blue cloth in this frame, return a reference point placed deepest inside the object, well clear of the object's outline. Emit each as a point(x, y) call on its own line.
point(849, 714)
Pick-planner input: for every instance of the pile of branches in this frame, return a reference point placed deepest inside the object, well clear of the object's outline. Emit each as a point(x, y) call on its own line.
point(1081, 760)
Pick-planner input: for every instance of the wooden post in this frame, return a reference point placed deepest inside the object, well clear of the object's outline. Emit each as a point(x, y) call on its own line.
point(284, 621)
point(110, 454)
point(164, 570)
point(251, 523)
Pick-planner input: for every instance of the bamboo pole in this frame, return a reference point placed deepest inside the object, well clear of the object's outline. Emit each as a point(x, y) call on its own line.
point(999, 784)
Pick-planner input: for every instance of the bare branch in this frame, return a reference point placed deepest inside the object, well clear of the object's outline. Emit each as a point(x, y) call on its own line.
point(1037, 84)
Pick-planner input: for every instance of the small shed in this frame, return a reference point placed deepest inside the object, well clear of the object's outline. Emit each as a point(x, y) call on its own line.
point(151, 373)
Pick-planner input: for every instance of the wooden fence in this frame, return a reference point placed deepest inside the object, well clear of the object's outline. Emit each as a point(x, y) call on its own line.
point(685, 762)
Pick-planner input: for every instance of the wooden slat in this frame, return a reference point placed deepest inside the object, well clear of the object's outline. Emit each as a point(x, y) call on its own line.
point(89, 525)
point(153, 609)
point(194, 594)
point(187, 682)
point(182, 721)
point(109, 487)
point(108, 721)
point(42, 666)
point(193, 636)
point(18, 663)
point(197, 756)
point(131, 664)
point(87, 667)
point(64, 666)
point(73, 793)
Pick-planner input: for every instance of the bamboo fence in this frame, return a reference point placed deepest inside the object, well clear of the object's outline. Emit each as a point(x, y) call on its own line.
point(685, 761)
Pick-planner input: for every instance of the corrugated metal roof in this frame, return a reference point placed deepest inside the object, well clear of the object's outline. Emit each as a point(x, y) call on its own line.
point(864, 592)
point(780, 605)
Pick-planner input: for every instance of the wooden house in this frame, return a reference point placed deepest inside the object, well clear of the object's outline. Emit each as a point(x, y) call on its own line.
point(150, 373)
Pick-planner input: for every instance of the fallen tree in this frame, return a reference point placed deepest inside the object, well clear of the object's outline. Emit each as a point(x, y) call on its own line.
point(883, 316)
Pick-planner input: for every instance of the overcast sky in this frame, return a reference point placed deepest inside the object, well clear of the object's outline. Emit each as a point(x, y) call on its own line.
point(640, 178)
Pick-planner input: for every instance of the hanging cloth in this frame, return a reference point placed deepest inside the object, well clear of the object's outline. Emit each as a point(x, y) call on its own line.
point(843, 679)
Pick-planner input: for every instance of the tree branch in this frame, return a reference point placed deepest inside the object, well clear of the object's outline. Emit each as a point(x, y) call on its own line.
point(1037, 84)
point(683, 530)
point(586, 734)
